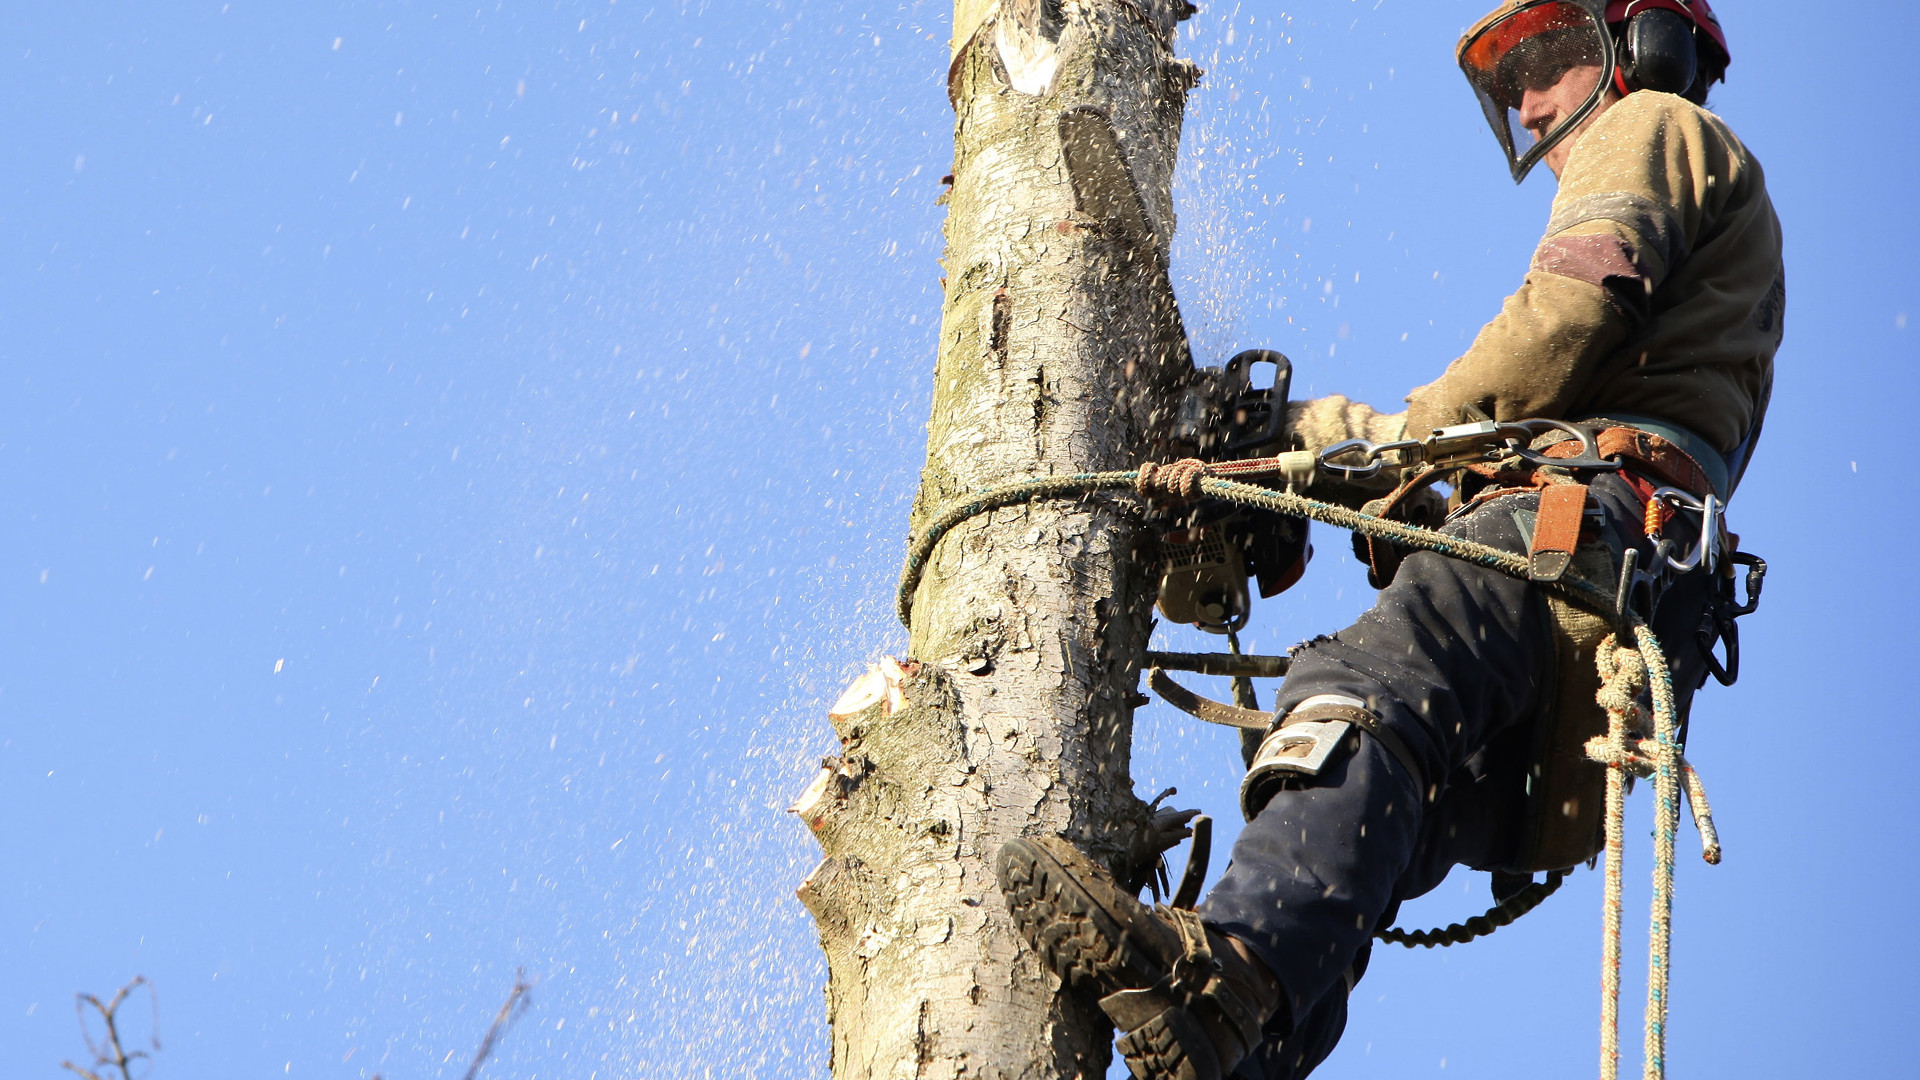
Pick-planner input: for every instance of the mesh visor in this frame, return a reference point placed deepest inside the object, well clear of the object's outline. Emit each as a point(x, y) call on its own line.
point(1539, 71)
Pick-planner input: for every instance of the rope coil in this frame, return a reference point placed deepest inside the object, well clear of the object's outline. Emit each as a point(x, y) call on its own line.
point(1178, 481)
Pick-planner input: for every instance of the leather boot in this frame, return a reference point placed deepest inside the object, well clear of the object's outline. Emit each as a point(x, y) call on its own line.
point(1189, 1005)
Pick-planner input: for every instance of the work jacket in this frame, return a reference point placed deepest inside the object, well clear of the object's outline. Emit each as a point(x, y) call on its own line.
point(1656, 293)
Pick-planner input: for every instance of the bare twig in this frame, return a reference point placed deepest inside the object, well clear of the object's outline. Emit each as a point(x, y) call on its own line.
point(516, 1004)
point(110, 1051)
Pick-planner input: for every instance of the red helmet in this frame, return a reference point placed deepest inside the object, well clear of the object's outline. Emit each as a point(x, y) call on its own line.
point(1675, 46)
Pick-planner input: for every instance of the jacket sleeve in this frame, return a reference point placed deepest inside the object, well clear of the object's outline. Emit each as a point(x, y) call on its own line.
point(1631, 198)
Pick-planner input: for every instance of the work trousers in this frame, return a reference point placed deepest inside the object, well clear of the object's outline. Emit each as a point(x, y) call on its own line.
point(1457, 660)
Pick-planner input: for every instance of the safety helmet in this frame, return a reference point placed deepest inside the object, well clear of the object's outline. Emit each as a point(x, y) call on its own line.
point(1675, 46)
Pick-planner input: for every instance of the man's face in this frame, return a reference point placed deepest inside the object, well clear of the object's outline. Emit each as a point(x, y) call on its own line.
point(1543, 107)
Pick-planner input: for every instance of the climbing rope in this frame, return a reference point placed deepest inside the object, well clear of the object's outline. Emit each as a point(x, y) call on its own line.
point(920, 549)
point(1627, 674)
point(984, 501)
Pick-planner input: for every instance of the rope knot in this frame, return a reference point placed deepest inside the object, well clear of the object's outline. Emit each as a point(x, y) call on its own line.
point(1623, 679)
point(1176, 481)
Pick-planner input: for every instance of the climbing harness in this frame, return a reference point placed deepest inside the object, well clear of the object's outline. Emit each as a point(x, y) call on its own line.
point(1628, 672)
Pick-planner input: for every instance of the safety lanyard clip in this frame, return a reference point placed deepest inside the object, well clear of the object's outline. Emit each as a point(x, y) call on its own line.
point(1461, 444)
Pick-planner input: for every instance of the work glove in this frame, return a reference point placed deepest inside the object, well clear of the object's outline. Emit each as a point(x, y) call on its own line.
point(1323, 421)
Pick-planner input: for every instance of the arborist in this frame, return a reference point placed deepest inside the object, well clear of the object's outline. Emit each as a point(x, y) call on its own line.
point(1443, 727)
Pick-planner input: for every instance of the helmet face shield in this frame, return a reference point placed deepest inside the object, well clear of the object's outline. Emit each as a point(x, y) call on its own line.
point(1540, 68)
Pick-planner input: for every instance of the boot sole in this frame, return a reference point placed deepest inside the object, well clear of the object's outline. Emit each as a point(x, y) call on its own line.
point(1079, 934)
point(1158, 1050)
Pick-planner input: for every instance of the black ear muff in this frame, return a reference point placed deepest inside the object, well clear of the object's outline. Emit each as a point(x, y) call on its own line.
point(1659, 53)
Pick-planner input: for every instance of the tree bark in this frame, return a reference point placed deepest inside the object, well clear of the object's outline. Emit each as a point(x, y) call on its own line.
point(1060, 352)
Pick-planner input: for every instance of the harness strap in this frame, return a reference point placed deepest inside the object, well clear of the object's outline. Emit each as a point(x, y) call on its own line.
point(1381, 557)
point(1556, 530)
point(1366, 720)
point(1713, 464)
point(1213, 712)
point(1300, 744)
point(1195, 968)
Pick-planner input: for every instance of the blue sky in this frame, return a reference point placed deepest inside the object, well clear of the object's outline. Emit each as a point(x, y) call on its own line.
point(452, 454)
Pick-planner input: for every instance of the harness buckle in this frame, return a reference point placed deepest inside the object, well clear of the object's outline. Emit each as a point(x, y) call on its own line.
point(1302, 747)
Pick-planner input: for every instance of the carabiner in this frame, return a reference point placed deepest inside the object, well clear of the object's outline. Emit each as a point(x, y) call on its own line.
point(1720, 629)
point(1720, 621)
point(1756, 577)
point(1462, 443)
point(1351, 472)
point(1706, 553)
point(1589, 446)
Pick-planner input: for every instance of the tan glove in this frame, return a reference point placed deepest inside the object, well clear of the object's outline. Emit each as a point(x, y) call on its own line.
point(1334, 418)
point(1324, 421)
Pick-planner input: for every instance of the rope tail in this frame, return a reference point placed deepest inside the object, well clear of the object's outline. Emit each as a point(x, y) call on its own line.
point(1630, 675)
point(1666, 826)
point(1623, 676)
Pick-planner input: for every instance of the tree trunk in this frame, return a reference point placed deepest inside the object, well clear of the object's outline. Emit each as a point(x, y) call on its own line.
point(1060, 352)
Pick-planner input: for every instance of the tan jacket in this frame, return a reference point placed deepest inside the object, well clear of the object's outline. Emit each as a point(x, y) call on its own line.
point(1657, 291)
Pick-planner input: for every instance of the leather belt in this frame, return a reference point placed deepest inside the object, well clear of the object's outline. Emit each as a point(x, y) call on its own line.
point(1650, 454)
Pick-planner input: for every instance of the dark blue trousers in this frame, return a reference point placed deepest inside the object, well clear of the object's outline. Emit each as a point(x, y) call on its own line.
point(1458, 661)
